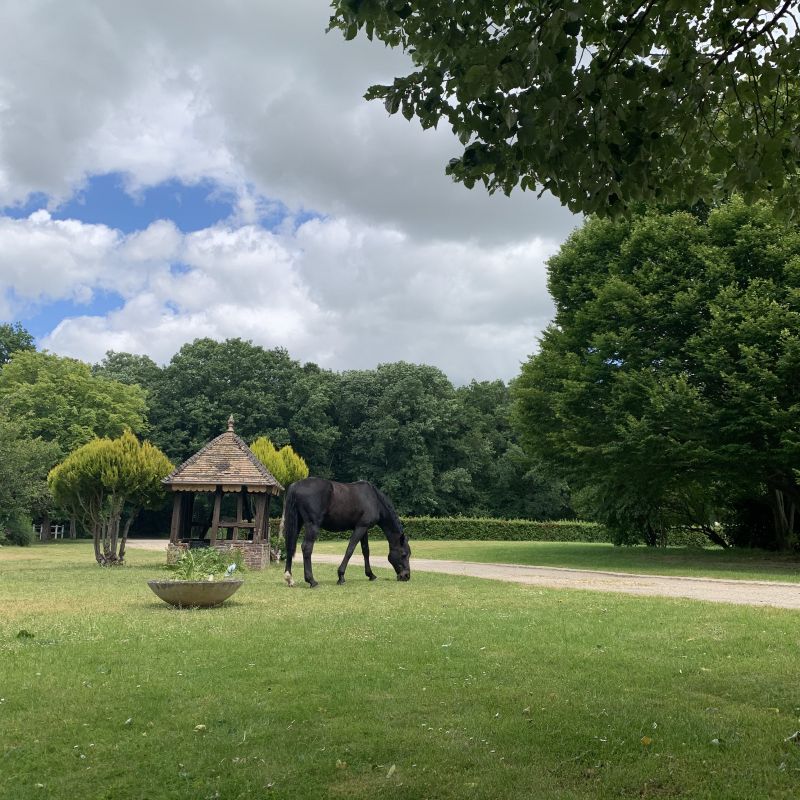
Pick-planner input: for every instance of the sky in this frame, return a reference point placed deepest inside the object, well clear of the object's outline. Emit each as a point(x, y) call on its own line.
point(195, 168)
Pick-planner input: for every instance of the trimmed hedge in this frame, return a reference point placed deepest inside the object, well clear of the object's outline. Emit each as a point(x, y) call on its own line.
point(504, 530)
point(509, 530)
point(488, 529)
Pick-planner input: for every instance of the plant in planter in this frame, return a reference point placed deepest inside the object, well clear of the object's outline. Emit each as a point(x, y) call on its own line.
point(203, 578)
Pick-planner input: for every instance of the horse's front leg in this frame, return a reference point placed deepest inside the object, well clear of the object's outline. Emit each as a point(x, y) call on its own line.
point(359, 532)
point(312, 531)
point(365, 551)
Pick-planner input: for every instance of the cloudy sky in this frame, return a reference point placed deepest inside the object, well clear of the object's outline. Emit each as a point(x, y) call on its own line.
point(210, 168)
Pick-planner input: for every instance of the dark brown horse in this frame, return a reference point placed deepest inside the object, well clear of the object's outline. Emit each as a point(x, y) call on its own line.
point(318, 503)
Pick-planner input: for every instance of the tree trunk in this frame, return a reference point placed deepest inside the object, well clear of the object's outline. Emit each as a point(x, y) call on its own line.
point(714, 537)
point(98, 556)
point(114, 535)
point(73, 532)
point(783, 511)
point(45, 535)
point(124, 538)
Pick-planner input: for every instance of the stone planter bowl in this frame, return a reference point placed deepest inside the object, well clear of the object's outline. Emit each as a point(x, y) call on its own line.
point(194, 594)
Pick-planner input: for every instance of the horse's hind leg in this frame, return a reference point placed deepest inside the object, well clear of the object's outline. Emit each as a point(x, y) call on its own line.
point(312, 531)
point(358, 535)
point(365, 551)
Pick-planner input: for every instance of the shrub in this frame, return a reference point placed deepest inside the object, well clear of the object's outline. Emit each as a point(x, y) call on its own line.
point(19, 530)
point(207, 563)
point(509, 530)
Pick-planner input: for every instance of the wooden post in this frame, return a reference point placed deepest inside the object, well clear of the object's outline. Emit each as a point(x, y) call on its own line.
point(259, 520)
point(186, 514)
point(267, 502)
point(175, 527)
point(215, 518)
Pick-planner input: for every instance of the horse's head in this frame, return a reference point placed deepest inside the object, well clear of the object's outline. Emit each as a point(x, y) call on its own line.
point(399, 554)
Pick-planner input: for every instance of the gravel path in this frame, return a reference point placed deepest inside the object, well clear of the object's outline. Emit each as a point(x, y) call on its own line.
point(748, 593)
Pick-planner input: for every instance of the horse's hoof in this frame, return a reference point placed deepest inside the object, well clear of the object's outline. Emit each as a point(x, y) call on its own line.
point(340, 582)
point(287, 576)
point(313, 585)
point(372, 577)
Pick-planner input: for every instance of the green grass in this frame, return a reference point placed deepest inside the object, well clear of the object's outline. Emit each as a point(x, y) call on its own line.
point(443, 687)
point(712, 563)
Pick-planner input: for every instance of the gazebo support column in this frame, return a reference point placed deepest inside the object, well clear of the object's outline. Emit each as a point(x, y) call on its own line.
point(187, 511)
point(215, 518)
point(258, 530)
point(175, 527)
point(266, 532)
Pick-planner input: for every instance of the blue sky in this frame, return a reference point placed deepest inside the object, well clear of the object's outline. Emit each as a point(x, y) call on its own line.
point(226, 178)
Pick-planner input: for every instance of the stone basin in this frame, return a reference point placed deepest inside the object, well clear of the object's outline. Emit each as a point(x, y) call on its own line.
point(194, 594)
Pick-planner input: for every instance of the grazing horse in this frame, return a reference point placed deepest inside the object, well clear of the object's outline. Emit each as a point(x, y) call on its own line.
point(319, 503)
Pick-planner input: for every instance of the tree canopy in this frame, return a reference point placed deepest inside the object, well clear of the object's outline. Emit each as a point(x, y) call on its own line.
point(59, 400)
point(13, 337)
point(24, 464)
point(105, 483)
point(604, 104)
point(285, 465)
point(666, 390)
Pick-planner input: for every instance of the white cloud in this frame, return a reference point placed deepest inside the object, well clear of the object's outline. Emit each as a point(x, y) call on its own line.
point(337, 292)
point(255, 96)
point(247, 93)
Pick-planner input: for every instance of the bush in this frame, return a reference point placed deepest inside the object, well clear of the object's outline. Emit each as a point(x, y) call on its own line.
point(19, 530)
point(509, 530)
point(487, 529)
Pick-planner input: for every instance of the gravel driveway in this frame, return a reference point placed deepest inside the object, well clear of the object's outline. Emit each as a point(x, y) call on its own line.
point(715, 590)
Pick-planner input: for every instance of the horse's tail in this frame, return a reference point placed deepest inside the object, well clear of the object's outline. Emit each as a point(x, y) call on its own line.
point(290, 528)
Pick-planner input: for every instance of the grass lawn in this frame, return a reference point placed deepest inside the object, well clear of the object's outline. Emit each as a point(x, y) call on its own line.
point(443, 687)
point(712, 562)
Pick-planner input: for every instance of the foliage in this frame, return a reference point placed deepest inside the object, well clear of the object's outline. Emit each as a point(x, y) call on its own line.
point(130, 369)
point(59, 400)
point(24, 464)
point(105, 483)
point(17, 528)
point(206, 381)
point(433, 448)
point(13, 338)
point(284, 464)
point(604, 104)
point(509, 530)
point(207, 563)
point(666, 390)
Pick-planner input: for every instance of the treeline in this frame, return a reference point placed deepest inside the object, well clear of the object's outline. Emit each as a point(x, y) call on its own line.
point(434, 448)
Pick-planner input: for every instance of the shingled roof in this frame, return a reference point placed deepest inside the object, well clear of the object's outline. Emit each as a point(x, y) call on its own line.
point(227, 463)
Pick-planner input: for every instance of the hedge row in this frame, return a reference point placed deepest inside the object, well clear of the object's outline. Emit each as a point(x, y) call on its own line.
point(509, 530)
point(487, 529)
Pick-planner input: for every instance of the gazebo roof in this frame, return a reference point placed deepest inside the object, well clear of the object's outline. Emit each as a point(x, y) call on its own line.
point(225, 463)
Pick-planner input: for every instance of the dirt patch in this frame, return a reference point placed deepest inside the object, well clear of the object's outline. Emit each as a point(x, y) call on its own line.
point(715, 590)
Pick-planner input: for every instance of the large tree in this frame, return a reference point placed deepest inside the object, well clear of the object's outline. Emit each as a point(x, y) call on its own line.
point(105, 483)
point(24, 464)
point(666, 390)
point(59, 400)
point(13, 337)
point(604, 103)
point(206, 381)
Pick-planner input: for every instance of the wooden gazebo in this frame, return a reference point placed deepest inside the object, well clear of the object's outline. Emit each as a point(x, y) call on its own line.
point(226, 465)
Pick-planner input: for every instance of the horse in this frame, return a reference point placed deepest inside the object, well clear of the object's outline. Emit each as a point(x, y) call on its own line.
point(319, 503)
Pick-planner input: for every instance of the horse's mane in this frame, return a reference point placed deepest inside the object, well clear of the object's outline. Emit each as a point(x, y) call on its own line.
point(388, 508)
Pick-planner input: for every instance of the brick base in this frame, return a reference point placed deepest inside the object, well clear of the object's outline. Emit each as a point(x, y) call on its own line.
point(254, 555)
point(175, 551)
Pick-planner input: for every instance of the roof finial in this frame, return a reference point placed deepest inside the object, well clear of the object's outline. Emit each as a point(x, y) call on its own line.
point(230, 423)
